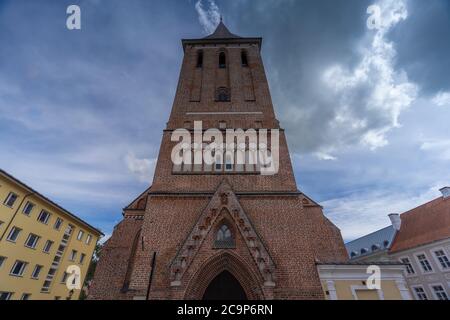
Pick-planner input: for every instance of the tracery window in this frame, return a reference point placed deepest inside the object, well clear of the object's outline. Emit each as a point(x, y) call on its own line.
point(224, 238)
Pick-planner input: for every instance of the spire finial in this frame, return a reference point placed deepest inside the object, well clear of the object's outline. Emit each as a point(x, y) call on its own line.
point(221, 18)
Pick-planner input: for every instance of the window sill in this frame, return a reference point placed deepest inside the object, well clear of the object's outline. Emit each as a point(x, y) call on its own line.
point(16, 275)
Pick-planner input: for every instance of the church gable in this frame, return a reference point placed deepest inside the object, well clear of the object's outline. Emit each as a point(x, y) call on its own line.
point(222, 217)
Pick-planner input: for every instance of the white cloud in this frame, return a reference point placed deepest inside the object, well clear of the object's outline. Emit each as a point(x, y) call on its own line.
point(363, 213)
point(440, 148)
point(442, 99)
point(142, 168)
point(209, 18)
point(325, 156)
point(371, 97)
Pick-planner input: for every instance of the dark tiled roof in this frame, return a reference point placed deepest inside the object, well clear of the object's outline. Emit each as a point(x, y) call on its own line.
point(222, 32)
point(425, 224)
point(377, 238)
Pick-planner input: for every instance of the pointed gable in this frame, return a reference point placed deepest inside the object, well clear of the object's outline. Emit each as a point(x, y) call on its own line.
point(223, 205)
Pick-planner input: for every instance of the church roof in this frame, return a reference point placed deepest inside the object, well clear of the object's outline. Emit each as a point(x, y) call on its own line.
point(222, 36)
point(222, 32)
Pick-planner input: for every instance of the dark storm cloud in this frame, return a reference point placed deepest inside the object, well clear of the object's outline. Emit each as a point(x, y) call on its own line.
point(423, 44)
point(81, 113)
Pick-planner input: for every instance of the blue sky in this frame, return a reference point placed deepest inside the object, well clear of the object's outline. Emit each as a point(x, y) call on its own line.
point(366, 111)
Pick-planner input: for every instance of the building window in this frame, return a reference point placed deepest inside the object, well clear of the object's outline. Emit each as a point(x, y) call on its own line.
point(375, 247)
point(218, 163)
point(222, 60)
point(28, 208)
point(73, 255)
point(48, 246)
point(13, 234)
point(420, 293)
point(10, 199)
point(69, 229)
point(64, 277)
point(353, 254)
point(442, 258)
point(364, 251)
point(425, 264)
point(440, 292)
point(44, 216)
point(80, 235)
point(88, 239)
point(408, 265)
point(25, 296)
point(58, 223)
point(36, 272)
point(2, 259)
point(18, 268)
point(244, 60)
point(223, 94)
point(222, 125)
point(82, 256)
point(200, 59)
point(385, 243)
point(5, 295)
point(32, 241)
point(224, 238)
point(228, 163)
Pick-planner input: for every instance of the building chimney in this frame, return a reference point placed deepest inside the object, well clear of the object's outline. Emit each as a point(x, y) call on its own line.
point(395, 220)
point(445, 192)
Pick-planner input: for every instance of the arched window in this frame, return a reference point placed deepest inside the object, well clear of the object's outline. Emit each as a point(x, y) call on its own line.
point(224, 238)
point(222, 60)
point(228, 163)
point(363, 251)
point(375, 247)
point(244, 60)
point(386, 243)
point(353, 254)
point(223, 94)
point(200, 59)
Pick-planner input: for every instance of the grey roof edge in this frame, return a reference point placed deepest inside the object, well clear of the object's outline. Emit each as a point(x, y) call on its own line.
point(40, 195)
point(255, 40)
point(349, 263)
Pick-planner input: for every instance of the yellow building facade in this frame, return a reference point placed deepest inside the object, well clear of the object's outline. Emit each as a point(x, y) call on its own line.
point(39, 241)
point(353, 281)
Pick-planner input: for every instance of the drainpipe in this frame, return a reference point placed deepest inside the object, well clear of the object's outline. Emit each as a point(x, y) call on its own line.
point(15, 213)
point(151, 275)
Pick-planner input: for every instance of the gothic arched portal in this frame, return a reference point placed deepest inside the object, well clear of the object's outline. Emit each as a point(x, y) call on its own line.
point(225, 287)
point(225, 267)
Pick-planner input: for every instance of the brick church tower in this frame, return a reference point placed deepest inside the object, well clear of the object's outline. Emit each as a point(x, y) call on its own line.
point(219, 231)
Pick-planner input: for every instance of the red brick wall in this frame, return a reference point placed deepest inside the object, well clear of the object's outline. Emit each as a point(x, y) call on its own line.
point(295, 236)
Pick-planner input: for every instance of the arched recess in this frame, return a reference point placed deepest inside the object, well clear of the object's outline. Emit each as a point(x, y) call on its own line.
point(224, 261)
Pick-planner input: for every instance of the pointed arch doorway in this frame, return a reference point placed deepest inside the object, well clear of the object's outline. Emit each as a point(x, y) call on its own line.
point(224, 276)
point(224, 287)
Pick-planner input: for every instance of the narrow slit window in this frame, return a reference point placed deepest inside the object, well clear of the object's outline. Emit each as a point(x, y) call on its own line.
point(222, 60)
point(200, 59)
point(244, 59)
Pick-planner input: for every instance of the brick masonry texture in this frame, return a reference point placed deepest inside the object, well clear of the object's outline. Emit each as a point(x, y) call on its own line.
point(279, 232)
